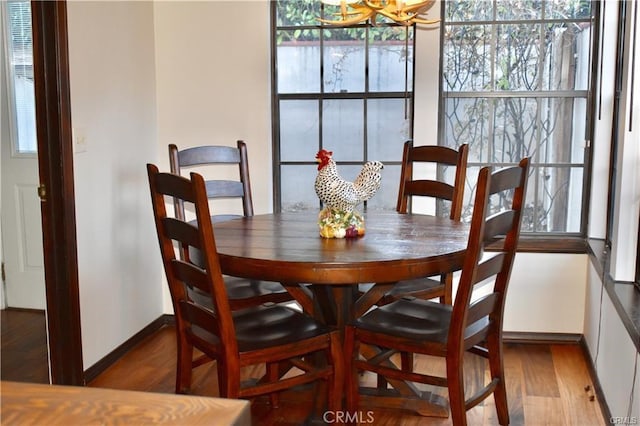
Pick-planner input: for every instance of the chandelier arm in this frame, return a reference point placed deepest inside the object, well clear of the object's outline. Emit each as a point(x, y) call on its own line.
point(362, 14)
point(419, 8)
point(371, 5)
point(397, 18)
point(425, 21)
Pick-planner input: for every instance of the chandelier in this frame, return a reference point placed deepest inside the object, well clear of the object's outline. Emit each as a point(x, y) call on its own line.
point(404, 12)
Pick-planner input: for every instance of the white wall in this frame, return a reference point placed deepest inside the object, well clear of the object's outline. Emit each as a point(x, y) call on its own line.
point(612, 351)
point(547, 293)
point(213, 84)
point(113, 104)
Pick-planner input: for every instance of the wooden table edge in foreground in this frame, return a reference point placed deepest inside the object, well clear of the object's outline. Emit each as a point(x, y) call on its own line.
point(39, 404)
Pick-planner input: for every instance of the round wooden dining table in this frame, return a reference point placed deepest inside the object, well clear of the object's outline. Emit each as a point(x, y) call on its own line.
point(322, 274)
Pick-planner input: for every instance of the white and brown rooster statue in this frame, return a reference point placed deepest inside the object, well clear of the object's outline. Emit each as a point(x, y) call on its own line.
point(338, 218)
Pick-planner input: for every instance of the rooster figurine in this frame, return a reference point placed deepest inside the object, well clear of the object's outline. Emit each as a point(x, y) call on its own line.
point(338, 219)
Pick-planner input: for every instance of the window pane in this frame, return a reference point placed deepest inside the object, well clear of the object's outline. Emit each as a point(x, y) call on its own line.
point(299, 130)
point(566, 65)
point(468, 10)
point(562, 140)
point(517, 56)
point(387, 196)
point(562, 9)
point(467, 57)
point(514, 130)
point(342, 128)
point(302, 73)
point(518, 10)
point(550, 194)
point(297, 12)
point(388, 128)
point(390, 61)
point(466, 120)
point(297, 187)
point(20, 75)
point(344, 62)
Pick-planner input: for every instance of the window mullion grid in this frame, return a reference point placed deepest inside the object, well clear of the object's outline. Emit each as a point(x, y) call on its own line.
point(365, 98)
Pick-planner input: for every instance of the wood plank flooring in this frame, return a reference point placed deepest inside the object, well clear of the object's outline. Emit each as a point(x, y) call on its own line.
point(23, 351)
point(545, 382)
point(545, 386)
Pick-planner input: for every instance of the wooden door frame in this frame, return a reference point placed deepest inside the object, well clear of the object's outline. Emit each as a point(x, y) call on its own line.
point(55, 163)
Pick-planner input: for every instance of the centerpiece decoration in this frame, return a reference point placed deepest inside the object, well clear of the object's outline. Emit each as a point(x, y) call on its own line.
point(338, 218)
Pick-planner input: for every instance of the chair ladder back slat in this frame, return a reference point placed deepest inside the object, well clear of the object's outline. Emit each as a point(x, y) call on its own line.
point(482, 307)
point(499, 225)
point(183, 232)
point(433, 154)
point(489, 267)
point(224, 189)
point(430, 188)
point(208, 154)
point(503, 179)
point(191, 275)
point(202, 317)
point(166, 185)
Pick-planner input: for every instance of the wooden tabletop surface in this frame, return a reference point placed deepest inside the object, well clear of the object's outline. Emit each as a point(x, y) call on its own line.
point(288, 247)
point(38, 404)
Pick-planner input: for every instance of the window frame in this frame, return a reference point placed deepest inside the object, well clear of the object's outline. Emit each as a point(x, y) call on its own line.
point(408, 96)
point(551, 242)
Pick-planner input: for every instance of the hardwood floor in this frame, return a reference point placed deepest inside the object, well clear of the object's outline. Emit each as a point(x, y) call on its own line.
point(545, 382)
point(546, 386)
point(23, 350)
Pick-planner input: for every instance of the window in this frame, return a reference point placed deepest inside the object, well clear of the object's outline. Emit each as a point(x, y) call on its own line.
point(516, 79)
point(348, 90)
point(18, 45)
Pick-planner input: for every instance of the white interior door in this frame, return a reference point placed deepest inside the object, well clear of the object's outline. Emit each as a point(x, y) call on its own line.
point(22, 233)
point(24, 285)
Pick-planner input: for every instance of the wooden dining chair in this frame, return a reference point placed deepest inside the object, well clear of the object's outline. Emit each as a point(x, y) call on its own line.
point(410, 188)
point(242, 292)
point(472, 324)
point(274, 335)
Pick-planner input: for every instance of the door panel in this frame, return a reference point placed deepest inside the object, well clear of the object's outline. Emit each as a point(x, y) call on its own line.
point(21, 232)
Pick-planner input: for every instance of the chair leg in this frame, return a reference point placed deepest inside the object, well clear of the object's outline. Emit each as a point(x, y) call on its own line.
point(336, 381)
point(184, 366)
point(229, 379)
point(406, 361)
point(351, 351)
point(496, 366)
point(455, 384)
point(273, 375)
point(447, 298)
point(381, 382)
